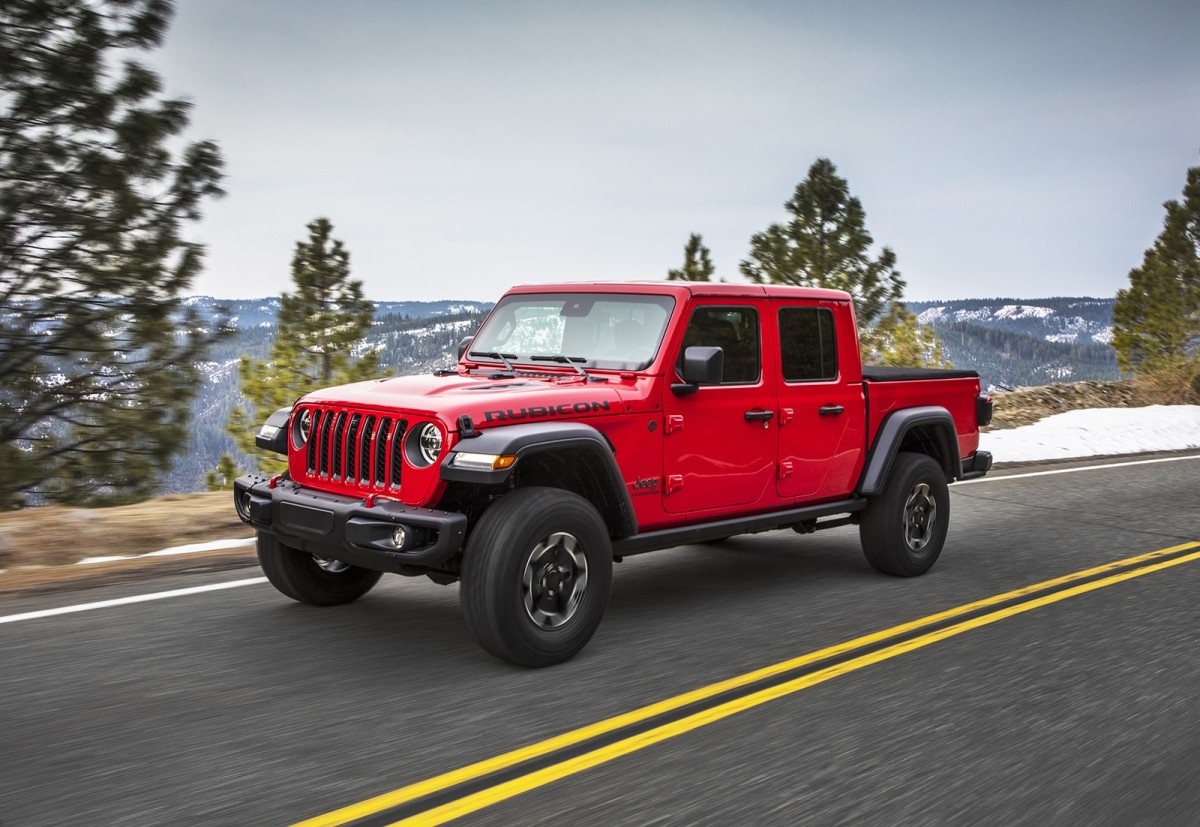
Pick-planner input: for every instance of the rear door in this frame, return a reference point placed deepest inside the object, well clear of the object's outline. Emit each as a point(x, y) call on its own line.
point(719, 442)
point(822, 412)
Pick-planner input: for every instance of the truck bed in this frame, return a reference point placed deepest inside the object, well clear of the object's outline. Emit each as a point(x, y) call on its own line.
point(890, 389)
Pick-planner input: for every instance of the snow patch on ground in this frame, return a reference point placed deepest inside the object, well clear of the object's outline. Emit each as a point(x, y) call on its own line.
point(1057, 372)
point(1104, 337)
point(1023, 311)
point(1064, 338)
point(1098, 432)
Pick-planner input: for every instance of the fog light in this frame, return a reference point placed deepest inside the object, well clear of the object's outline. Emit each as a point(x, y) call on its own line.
point(399, 536)
point(244, 502)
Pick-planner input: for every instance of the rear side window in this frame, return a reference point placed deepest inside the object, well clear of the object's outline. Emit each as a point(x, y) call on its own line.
point(807, 344)
point(734, 330)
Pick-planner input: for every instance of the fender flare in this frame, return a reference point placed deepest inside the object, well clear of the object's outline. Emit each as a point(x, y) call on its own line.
point(890, 436)
point(273, 434)
point(531, 438)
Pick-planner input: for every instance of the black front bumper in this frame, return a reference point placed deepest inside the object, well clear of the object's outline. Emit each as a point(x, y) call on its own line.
point(347, 529)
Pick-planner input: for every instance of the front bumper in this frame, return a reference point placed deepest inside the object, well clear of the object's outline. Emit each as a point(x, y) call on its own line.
point(355, 531)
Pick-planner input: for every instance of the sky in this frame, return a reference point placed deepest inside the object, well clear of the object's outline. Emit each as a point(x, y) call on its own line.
point(1017, 149)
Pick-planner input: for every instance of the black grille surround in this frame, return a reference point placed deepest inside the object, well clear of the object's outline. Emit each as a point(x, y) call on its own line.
point(353, 449)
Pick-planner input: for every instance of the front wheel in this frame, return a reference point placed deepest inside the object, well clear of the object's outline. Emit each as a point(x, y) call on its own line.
point(536, 576)
point(310, 579)
point(903, 529)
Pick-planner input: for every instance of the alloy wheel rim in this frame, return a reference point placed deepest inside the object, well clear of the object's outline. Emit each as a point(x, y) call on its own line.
point(554, 580)
point(920, 517)
point(331, 566)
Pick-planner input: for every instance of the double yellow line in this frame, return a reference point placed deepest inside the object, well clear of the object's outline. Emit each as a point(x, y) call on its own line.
point(911, 638)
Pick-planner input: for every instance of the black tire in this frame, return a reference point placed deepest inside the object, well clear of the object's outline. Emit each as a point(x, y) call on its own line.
point(306, 579)
point(903, 529)
point(537, 571)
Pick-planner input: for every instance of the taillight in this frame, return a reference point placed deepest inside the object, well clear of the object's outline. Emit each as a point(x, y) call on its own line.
point(983, 410)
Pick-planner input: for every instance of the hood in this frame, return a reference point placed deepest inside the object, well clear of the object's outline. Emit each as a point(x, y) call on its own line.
point(486, 400)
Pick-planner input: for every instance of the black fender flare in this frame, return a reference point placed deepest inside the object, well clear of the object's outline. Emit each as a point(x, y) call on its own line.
point(277, 439)
point(890, 436)
point(531, 438)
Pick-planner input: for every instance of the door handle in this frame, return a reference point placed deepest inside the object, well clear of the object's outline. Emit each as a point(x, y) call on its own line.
point(753, 416)
point(830, 410)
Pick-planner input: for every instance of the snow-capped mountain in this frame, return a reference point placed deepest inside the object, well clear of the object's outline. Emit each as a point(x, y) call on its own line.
point(1021, 342)
point(1063, 320)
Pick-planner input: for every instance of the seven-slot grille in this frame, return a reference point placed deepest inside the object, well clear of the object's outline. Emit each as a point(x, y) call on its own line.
point(355, 448)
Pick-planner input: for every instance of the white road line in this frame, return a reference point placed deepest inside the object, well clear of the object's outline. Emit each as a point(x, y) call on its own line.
point(137, 598)
point(1073, 470)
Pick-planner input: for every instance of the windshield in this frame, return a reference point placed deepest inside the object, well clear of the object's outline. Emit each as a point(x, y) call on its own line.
point(606, 331)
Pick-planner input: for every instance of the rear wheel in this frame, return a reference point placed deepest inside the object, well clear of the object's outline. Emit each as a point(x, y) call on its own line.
point(307, 578)
point(903, 529)
point(536, 575)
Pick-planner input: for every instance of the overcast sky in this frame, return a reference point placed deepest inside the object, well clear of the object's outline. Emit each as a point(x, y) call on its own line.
point(1001, 149)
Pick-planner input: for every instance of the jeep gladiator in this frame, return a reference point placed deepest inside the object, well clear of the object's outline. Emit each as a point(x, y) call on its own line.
point(584, 423)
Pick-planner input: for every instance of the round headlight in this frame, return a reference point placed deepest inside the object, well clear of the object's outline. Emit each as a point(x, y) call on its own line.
point(302, 427)
point(429, 441)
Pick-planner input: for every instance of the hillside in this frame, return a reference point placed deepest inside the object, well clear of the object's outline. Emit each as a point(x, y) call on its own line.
point(1026, 342)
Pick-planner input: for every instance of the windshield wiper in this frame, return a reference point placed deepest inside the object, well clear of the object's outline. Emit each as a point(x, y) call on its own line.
point(563, 360)
point(495, 354)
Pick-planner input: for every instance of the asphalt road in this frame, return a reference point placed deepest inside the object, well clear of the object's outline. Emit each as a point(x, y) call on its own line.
point(239, 707)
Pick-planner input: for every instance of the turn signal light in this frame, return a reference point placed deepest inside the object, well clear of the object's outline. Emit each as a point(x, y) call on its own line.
point(483, 462)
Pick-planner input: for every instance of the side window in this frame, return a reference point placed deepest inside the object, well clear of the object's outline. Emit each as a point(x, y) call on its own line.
point(807, 344)
point(734, 330)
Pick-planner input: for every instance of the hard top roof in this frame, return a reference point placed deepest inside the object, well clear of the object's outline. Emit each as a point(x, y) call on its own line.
point(693, 288)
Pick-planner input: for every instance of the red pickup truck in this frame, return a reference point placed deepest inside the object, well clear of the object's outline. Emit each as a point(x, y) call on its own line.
point(586, 423)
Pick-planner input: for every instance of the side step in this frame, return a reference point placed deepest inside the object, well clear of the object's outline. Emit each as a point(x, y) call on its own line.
point(702, 532)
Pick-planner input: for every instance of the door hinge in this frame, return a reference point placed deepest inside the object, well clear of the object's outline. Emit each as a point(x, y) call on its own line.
point(674, 483)
point(674, 423)
point(786, 415)
point(785, 470)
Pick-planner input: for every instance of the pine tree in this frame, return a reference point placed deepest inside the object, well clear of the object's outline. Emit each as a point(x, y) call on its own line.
point(1156, 320)
point(697, 266)
point(899, 340)
point(319, 325)
point(97, 351)
point(826, 244)
point(221, 478)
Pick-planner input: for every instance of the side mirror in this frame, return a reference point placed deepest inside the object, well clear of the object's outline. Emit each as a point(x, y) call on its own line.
point(701, 366)
point(463, 344)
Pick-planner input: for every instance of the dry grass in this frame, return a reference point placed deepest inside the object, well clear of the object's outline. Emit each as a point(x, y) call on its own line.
point(1012, 409)
point(1179, 385)
point(56, 535)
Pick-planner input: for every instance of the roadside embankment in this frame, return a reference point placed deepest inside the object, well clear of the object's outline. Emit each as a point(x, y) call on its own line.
point(42, 543)
point(1012, 409)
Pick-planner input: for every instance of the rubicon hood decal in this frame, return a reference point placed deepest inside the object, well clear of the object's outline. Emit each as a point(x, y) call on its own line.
point(543, 411)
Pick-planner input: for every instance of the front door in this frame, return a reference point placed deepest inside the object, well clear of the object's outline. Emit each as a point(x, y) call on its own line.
point(719, 442)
